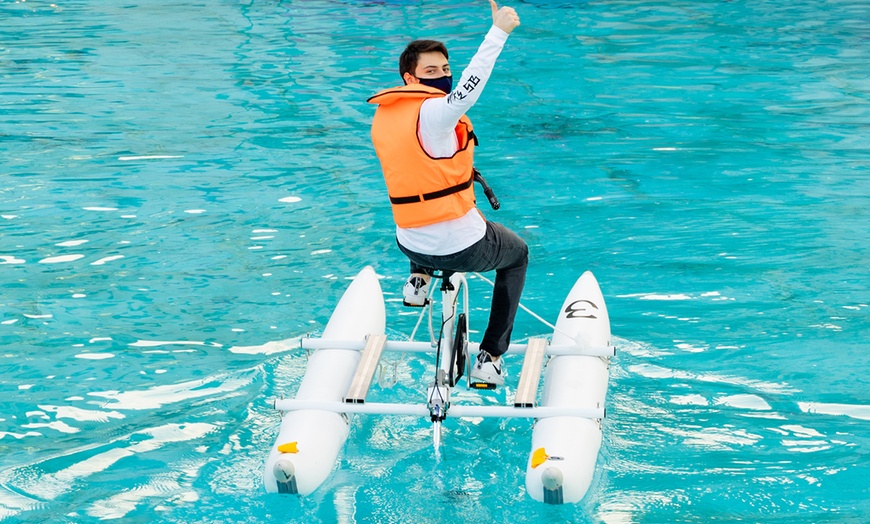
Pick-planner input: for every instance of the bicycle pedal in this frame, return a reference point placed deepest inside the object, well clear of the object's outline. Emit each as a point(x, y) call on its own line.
point(410, 304)
point(482, 385)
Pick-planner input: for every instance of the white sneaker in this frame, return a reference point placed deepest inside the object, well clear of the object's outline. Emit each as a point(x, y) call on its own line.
point(487, 371)
point(416, 290)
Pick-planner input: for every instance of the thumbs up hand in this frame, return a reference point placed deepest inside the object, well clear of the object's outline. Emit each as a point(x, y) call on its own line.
point(504, 18)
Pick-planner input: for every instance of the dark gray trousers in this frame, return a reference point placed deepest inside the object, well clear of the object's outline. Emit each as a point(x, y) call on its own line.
point(505, 252)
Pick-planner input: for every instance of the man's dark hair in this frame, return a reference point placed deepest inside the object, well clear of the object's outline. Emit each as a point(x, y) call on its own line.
point(408, 60)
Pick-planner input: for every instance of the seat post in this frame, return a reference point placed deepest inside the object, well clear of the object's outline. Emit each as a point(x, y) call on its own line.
point(446, 284)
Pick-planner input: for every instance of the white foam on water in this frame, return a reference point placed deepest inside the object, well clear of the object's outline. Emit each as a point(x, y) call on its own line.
point(49, 486)
point(290, 199)
point(689, 400)
point(171, 487)
point(744, 402)
point(679, 296)
point(859, 411)
point(61, 427)
point(103, 260)
point(806, 446)
point(95, 356)
point(61, 259)
point(156, 343)
point(159, 396)
point(690, 348)
point(269, 348)
point(713, 438)
point(713, 295)
point(654, 371)
point(19, 436)
point(72, 243)
point(7, 259)
point(800, 431)
point(82, 415)
point(656, 296)
point(147, 157)
point(11, 503)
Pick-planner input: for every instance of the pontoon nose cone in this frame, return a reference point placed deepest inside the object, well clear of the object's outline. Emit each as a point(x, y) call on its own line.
point(284, 470)
point(285, 476)
point(552, 480)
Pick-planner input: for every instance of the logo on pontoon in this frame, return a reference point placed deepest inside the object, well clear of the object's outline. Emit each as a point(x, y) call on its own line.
point(581, 309)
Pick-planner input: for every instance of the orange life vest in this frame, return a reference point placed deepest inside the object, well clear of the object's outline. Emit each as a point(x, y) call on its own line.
point(423, 190)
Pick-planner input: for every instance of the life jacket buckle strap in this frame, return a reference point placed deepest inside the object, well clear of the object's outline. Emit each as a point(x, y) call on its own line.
point(434, 194)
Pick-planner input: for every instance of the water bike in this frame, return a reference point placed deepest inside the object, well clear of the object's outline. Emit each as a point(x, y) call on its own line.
point(566, 435)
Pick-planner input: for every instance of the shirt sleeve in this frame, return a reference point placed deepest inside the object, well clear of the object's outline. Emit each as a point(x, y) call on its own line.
point(438, 116)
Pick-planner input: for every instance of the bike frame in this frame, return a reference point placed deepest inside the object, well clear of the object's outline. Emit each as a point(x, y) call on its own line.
point(453, 286)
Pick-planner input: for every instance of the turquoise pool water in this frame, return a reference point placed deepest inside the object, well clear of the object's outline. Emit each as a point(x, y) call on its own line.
point(185, 189)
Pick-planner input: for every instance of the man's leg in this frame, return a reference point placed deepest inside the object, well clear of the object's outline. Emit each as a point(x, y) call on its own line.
point(504, 251)
point(415, 268)
point(509, 256)
point(416, 288)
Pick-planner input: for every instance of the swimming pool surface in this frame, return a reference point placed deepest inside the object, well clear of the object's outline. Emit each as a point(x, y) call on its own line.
point(186, 188)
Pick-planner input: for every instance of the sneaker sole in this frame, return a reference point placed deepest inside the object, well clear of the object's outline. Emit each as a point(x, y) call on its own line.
point(410, 304)
point(487, 379)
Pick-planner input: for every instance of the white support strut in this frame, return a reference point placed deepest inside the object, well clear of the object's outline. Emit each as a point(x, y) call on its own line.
point(425, 347)
point(530, 376)
point(362, 379)
point(421, 410)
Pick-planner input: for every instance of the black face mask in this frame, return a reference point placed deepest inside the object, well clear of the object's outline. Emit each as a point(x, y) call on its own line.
point(445, 83)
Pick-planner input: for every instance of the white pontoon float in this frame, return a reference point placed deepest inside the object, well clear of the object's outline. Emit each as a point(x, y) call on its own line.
point(566, 435)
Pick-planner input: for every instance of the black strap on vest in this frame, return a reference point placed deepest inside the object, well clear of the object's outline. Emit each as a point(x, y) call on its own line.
point(435, 194)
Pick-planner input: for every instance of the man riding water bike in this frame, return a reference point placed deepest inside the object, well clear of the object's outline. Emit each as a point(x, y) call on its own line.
point(425, 143)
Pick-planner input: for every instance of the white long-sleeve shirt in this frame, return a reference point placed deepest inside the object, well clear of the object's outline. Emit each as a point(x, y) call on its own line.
point(438, 119)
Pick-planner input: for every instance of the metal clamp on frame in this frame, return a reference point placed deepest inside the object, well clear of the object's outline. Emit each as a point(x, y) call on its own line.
point(438, 398)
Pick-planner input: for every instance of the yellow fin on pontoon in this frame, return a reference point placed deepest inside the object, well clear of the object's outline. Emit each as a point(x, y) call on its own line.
point(289, 447)
point(539, 456)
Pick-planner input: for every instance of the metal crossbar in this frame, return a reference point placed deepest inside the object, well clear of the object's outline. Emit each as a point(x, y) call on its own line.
point(530, 376)
point(422, 410)
point(362, 379)
point(426, 347)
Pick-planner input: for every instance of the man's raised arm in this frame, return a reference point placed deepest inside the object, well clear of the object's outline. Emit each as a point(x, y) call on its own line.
point(438, 116)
